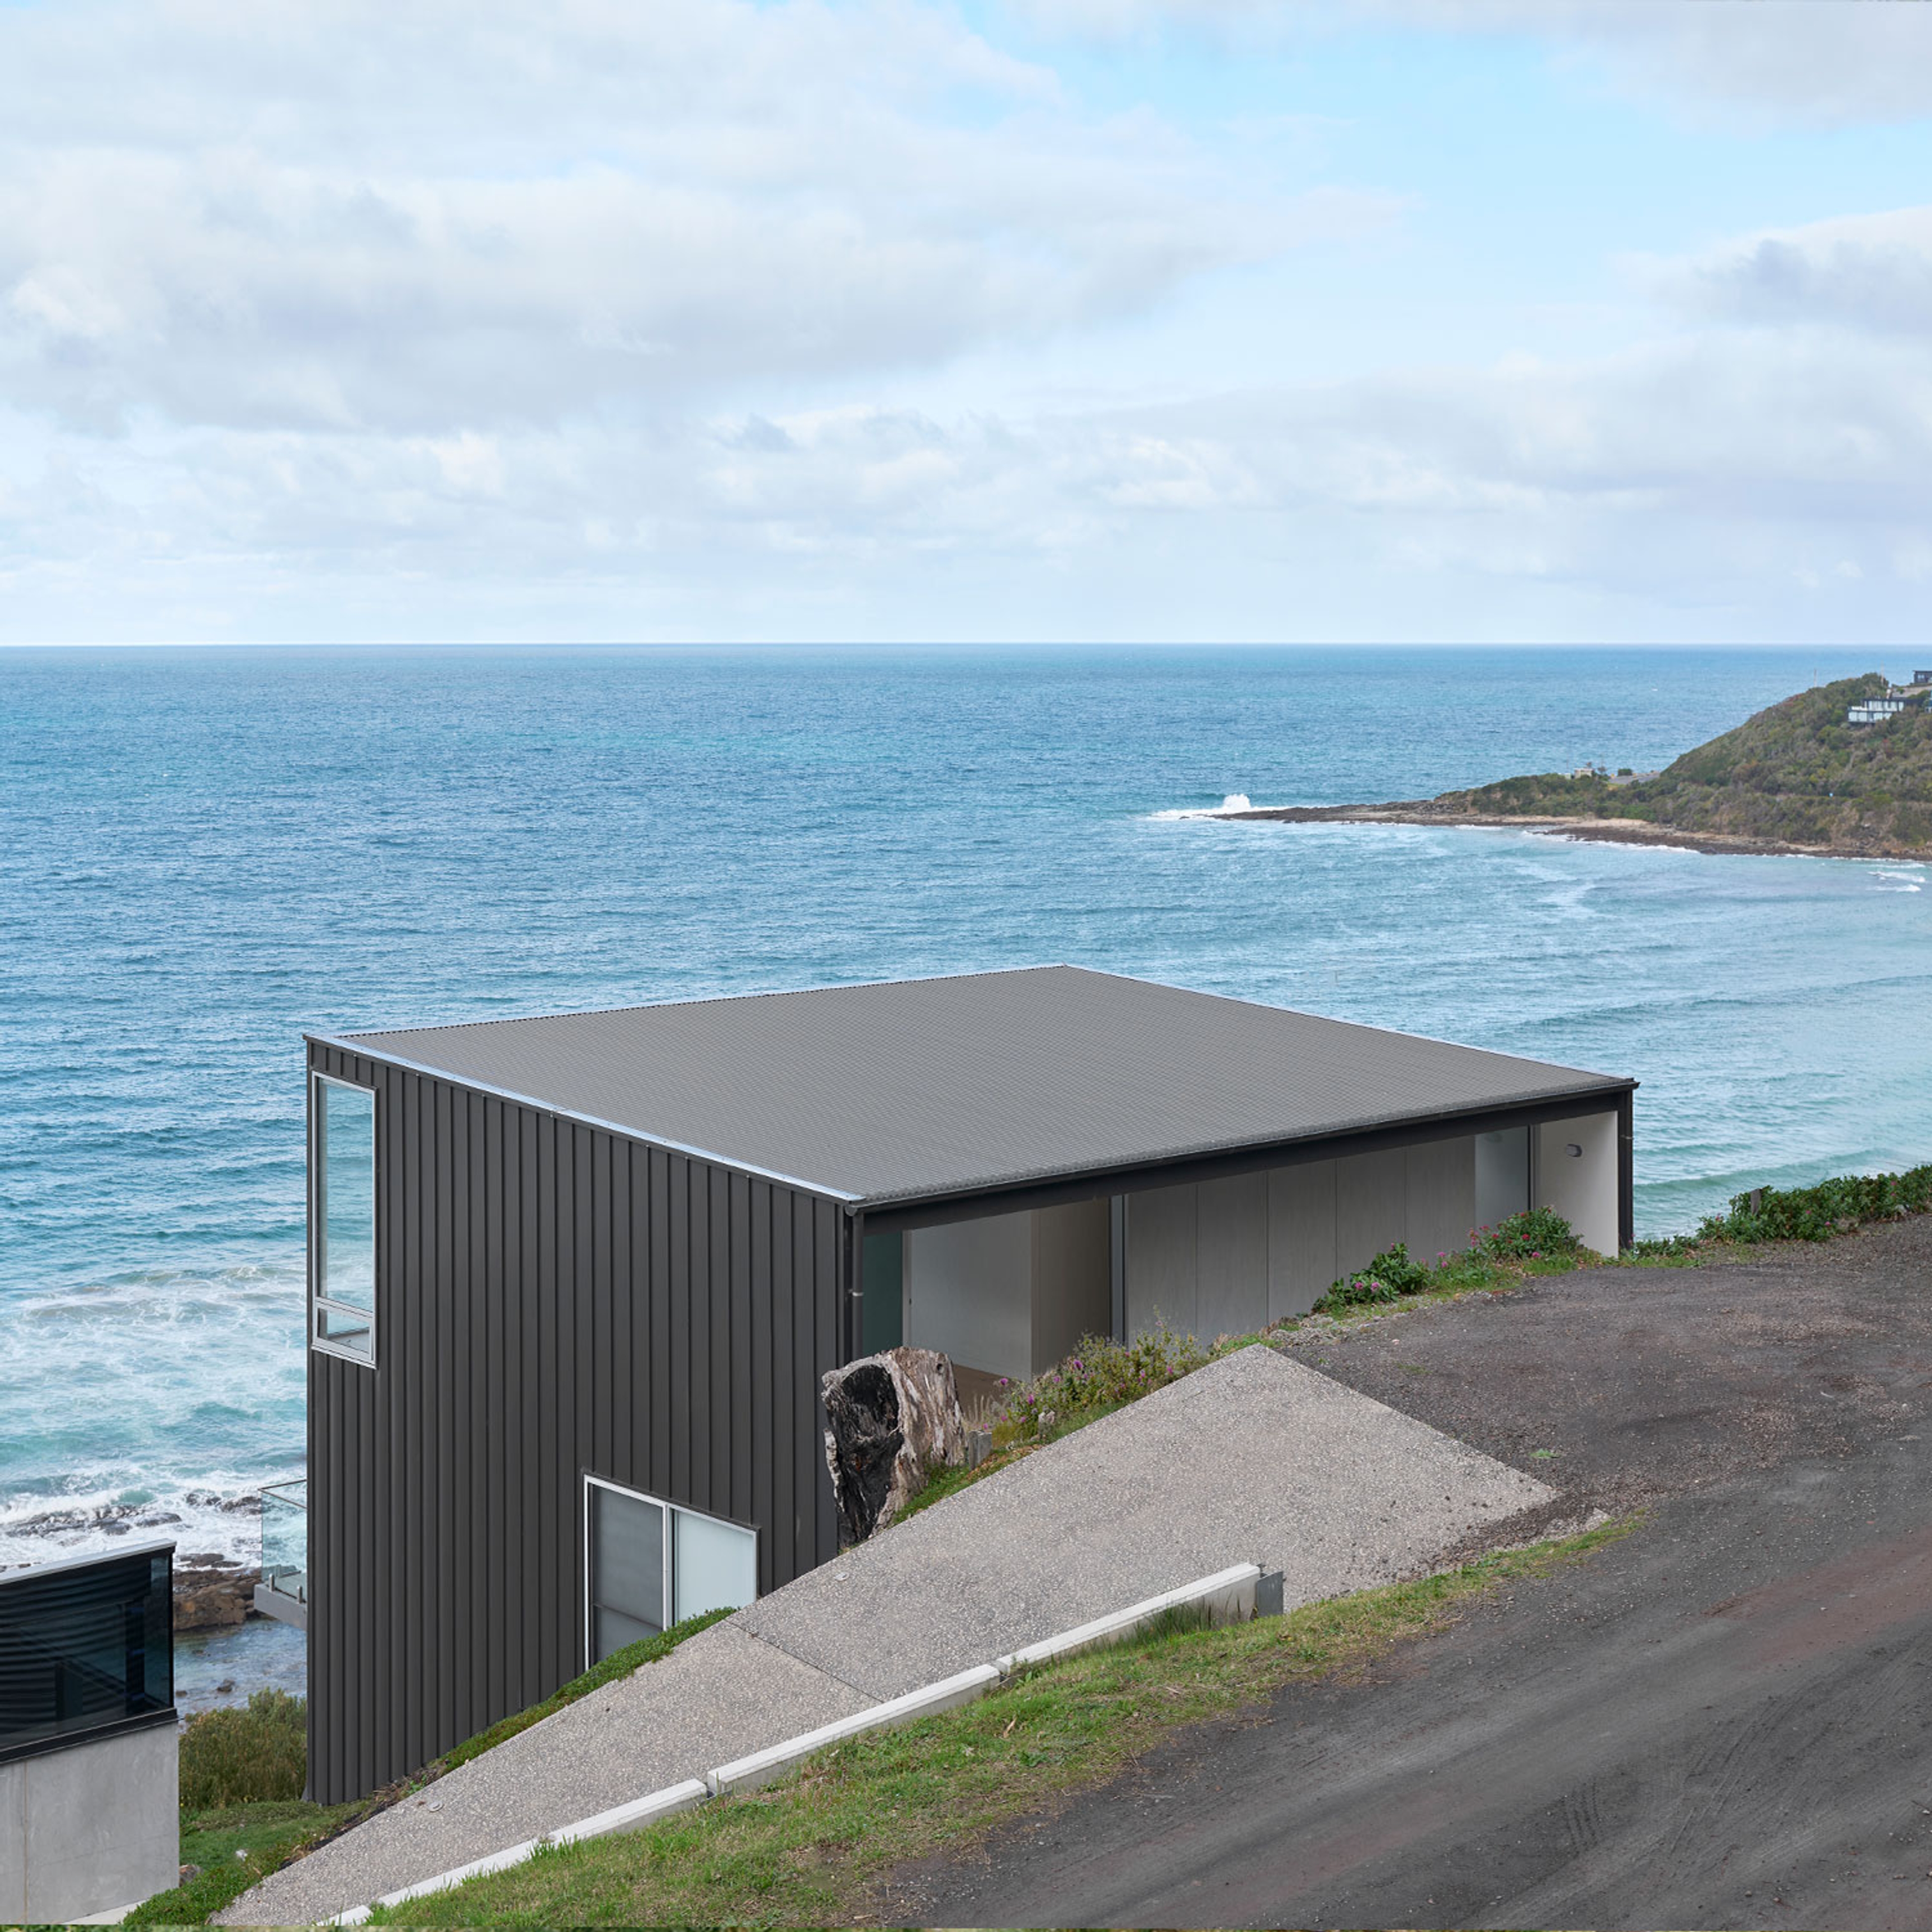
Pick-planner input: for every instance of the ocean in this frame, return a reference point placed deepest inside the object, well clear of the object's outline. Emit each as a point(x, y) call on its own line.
point(207, 851)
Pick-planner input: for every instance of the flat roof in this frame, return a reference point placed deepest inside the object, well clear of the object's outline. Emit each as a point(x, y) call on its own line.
point(915, 1089)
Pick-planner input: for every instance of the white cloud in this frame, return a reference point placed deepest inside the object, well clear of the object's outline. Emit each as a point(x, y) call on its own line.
point(1820, 60)
point(1865, 272)
point(434, 218)
point(1694, 487)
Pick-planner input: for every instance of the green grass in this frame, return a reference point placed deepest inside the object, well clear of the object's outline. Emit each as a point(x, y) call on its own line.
point(814, 1849)
point(266, 1835)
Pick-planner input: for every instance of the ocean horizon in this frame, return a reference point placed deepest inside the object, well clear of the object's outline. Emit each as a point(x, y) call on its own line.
point(212, 849)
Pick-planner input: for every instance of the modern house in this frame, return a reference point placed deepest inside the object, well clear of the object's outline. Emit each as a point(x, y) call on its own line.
point(88, 1819)
point(574, 1280)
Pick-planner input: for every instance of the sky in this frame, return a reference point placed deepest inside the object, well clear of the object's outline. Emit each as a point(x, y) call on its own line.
point(1013, 320)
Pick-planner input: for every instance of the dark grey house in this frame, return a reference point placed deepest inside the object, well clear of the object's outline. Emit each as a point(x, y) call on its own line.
point(574, 1279)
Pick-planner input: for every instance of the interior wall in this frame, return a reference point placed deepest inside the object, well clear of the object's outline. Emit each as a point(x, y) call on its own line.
point(969, 1292)
point(1222, 1257)
point(1072, 1279)
point(1582, 1187)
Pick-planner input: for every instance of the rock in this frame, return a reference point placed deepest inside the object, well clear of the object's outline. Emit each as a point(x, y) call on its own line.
point(894, 1418)
point(214, 1599)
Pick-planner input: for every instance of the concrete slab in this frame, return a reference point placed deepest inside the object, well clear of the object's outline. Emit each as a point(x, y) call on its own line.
point(721, 1695)
point(1254, 1458)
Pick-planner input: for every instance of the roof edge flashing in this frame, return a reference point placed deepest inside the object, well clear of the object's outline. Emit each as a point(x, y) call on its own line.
point(761, 993)
point(350, 1043)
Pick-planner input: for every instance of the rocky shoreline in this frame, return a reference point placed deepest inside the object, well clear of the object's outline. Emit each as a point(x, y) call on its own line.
point(1607, 831)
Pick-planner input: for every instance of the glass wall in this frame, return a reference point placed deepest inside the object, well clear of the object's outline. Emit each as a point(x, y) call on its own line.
point(344, 1321)
point(653, 1564)
point(85, 1648)
point(882, 1315)
point(1502, 1174)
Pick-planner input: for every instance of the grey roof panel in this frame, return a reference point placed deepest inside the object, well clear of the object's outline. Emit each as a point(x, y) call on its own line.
point(924, 1088)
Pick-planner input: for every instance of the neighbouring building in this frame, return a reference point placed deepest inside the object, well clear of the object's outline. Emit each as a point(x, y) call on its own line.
point(574, 1280)
point(89, 1820)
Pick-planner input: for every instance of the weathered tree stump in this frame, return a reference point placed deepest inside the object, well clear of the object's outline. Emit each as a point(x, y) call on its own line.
point(894, 1418)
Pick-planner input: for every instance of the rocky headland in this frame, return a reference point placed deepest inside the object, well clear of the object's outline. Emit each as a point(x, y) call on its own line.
point(1798, 778)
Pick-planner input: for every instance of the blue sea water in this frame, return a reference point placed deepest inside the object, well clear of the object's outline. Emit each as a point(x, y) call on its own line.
point(206, 852)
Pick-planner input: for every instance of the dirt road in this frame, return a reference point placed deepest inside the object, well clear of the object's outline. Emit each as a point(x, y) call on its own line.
point(1725, 1720)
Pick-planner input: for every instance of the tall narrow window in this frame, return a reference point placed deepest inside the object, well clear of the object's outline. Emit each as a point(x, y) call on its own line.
point(344, 1188)
point(653, 1564)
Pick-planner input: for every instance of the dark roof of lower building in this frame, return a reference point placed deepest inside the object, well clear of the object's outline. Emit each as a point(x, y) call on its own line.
point(927, 1088)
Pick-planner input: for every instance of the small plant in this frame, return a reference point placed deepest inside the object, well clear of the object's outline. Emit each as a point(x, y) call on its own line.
point(1531, 1236)
point(240, 1756)
point(1392, 1274)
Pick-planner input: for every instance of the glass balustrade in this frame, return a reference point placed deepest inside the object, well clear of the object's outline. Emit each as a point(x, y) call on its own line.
point(285, 1541)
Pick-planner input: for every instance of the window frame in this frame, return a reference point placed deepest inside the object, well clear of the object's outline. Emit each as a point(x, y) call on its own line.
point(318, 1233)
point(671, 1510)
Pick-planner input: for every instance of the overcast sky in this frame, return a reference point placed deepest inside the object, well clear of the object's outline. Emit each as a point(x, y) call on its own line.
point(602, 319)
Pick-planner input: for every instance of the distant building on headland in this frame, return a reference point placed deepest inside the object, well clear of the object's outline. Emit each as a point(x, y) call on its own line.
point(1897, 698)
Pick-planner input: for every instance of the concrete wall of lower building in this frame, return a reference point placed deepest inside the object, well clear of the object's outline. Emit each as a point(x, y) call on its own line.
point(1582, 1186)
point(1219, 1257)
point(91, 1827)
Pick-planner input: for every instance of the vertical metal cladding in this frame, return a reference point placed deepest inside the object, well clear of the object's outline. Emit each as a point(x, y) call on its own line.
point(552, 1299)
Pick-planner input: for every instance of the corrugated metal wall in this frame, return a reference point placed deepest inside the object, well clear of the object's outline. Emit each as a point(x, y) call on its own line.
point(552, 1300)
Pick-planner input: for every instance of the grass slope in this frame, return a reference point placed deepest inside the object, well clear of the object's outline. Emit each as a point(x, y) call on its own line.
point(815, 1849)
point(1796, 772)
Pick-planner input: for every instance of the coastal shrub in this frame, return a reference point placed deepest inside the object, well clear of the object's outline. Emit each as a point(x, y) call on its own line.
point(1100, 1374)
point(238, 1756)
point(1530, 1236)
point(1388, 1277)
point(1833, 1206)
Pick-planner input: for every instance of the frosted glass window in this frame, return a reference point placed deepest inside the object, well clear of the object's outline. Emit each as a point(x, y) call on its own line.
point(715, 1565)
point(344, 1320)
point(652, 1564)
point(627, 1570)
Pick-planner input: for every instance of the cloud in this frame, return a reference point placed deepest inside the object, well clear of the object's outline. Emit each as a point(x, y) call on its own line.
point(435, 218)
point(1720, 483)
point(1815, 61)
point(1863, 272)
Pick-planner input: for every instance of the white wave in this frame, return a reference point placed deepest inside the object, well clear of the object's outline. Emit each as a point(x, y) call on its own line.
point(221, 1515)
point(1911, 881)
point(1235, 802)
